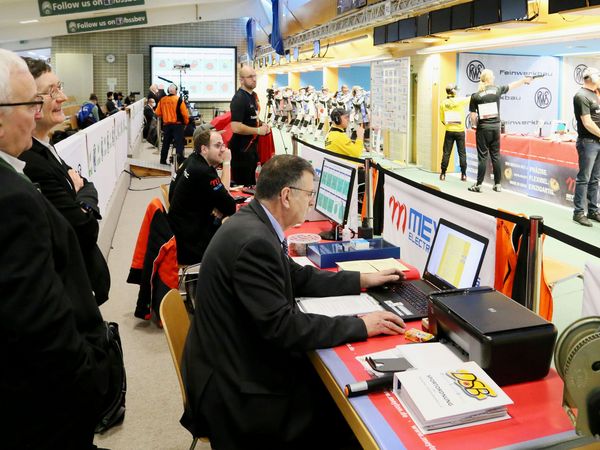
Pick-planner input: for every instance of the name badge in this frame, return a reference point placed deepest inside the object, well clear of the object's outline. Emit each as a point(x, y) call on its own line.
point(488, 110)
point(452, 117)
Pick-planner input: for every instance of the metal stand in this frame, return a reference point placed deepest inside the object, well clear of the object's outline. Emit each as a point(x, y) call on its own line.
point(534, 264)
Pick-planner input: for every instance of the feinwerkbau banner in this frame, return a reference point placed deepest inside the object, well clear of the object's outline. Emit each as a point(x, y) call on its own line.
point(106, 22)
point(59, 7)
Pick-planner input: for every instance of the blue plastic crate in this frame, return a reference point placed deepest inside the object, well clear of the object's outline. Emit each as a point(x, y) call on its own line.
point(327, 254)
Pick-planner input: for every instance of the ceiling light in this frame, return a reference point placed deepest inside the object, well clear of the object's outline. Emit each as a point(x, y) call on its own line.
point(577, 33)
point(28, 21)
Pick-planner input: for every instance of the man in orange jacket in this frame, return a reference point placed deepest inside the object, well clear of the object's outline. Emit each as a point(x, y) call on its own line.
point(174, 114)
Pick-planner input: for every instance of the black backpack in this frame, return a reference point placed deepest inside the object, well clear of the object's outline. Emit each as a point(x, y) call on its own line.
point(114, 408)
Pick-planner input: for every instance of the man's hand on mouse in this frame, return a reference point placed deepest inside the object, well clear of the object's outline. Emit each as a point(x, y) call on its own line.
point(383, 322)
point(368, 280)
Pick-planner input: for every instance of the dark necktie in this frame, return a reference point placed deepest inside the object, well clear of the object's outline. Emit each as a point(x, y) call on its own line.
point(284, 246)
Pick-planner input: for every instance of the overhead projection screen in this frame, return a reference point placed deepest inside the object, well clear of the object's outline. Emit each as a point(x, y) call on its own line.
point(207, 73)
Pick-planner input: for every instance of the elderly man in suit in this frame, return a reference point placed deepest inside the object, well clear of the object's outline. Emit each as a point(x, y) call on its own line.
point(72, 195)
point(52, 337)
point(249, 382)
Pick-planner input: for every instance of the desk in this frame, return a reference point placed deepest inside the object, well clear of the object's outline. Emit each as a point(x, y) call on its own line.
point(533, 166)
point(380, 422)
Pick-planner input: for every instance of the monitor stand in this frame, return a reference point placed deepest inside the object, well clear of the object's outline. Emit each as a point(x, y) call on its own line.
point(335, 234)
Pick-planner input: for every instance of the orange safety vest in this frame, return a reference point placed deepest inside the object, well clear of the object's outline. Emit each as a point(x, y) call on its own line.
point(508, 236)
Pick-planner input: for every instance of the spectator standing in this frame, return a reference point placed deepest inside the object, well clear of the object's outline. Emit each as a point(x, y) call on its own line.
point(587, 114)
point(72, 195)
point(89, 113)
point(246, 127)
point(149, 116)
point(55, 367)
point(174, 114)
point(111, 105)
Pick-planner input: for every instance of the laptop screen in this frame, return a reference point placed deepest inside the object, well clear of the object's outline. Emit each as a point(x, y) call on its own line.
point(455, 257)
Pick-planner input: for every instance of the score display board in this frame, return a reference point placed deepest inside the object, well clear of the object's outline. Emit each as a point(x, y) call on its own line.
point(210, 77)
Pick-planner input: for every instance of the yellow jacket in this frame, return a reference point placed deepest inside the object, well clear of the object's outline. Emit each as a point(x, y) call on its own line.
point(338, 141)
point(457, 105)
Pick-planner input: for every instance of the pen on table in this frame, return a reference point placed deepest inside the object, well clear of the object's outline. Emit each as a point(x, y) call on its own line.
point(367, 386)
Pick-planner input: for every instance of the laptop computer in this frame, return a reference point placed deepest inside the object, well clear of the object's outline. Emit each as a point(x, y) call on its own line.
point(454, 262)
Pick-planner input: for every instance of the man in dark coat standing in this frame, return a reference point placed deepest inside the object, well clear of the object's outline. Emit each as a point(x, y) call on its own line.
point(248, 379)
point(52, 337)
point(72, 195)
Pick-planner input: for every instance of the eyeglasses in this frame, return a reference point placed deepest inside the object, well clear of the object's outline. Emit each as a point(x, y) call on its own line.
point(55, 91)
point(34, 106)
point(312, 193)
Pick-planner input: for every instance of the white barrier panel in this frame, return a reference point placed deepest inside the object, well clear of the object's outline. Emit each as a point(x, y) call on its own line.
point(101, 156)
point(99, 152)
point(136, 125)
point(121, 138)
point(521, 108)
point(591, 286)
point(411, 217)
point(73, 151)
point(316, 157)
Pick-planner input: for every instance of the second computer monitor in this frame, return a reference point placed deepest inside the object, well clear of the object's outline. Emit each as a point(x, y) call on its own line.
point(335, 191)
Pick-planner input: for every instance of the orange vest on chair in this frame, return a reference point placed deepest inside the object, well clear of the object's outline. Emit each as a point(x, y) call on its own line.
point(508, 236)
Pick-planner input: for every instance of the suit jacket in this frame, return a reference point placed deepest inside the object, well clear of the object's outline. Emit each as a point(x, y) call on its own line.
point(244, 360)
point(52, 336)
point(52, 176)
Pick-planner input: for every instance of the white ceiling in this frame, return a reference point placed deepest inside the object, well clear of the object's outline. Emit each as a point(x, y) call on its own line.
point(159, 12)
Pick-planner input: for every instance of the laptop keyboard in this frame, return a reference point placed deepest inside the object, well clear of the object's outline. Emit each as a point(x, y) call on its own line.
point(409, 294)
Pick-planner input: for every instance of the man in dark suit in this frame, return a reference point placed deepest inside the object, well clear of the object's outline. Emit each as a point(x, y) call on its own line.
point(73, 196)
point(248, 380)
point(52, 337)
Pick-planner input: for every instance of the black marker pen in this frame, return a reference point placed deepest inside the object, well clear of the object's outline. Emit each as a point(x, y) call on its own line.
point(367, 386)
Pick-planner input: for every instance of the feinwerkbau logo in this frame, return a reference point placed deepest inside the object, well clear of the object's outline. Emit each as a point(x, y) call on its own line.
point(474, 69)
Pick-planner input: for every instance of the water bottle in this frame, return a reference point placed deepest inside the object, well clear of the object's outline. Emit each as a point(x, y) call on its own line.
point(257, 172)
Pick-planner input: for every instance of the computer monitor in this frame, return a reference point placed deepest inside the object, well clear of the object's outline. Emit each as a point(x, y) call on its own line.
point(379, 35)
point(462, 16)
point(440, 20)
point(407, 29)
point(555, 6)
point(513, 10)
point(559, 127)
point(335, 191)
point(485, 12)
point(392, 32)
point(456, 256)
point(423, 25)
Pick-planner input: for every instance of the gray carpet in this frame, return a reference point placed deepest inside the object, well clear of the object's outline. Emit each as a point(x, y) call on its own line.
point(154, 403)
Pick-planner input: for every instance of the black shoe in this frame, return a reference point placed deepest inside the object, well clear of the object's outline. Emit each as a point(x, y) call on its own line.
point(582, 220)
point(497, 188)
point(475, 188)
point(463, 177)
point(594, 216)
point(442, 176)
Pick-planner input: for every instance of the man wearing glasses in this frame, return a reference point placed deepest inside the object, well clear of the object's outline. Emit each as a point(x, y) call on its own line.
point(54, 364)
point(246, 127)
point(199, 198)
point(248, 379)
point(72, 195)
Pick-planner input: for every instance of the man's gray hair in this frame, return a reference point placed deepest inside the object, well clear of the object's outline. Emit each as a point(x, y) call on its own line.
point(10, 64)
